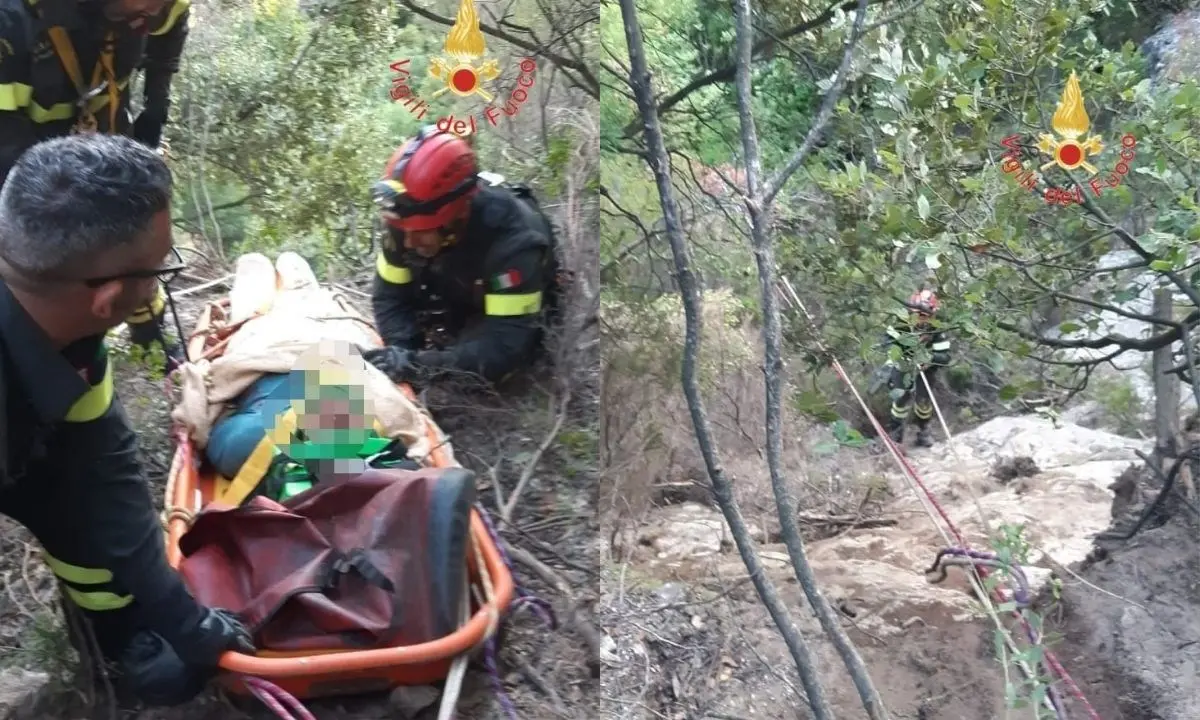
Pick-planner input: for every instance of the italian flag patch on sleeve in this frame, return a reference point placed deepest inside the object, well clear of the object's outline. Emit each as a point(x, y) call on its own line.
point(506, 280)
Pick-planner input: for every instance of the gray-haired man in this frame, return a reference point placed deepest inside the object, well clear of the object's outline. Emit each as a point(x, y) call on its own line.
point(85, 238)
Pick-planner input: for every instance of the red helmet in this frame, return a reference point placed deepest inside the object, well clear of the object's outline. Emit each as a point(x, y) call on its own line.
point(924, 302)
point(428, 181)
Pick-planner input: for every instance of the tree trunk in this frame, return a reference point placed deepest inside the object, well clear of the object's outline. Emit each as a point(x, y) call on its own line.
point(659, 162)
point(1166, 387)
point(758, 209)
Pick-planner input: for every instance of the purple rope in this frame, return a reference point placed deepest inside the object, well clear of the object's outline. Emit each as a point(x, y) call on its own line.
point(489, 664)
point(538, 606)
point(1022, 599)
point(524, 598)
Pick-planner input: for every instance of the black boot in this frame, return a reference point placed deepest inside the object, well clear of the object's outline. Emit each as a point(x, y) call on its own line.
point(923, 437)
point(153, 674)
point(895, 429)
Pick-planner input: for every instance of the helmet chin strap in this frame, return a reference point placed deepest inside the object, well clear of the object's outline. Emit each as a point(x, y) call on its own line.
point(449, 232)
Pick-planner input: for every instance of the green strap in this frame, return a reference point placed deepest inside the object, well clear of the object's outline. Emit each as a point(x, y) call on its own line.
point(294, 488)
point(374, 445)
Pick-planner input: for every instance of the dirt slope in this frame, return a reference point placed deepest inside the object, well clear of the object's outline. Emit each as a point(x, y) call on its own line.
point(930, 652)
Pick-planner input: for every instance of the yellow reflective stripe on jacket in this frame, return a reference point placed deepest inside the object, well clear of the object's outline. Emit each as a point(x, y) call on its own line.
point(393, 274)
point(511, 305)
point(172, 17)
point(75, 573)
point(95, 401)
point(159, 303)
point(66, 111)
point(14, 96)
point(96, 600)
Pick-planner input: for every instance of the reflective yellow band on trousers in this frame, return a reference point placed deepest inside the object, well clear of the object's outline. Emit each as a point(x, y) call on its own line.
point(173, 17)
point(99, 600)
point(393, 274)
point(511, 305)
point(94, 402)
point(149, 312)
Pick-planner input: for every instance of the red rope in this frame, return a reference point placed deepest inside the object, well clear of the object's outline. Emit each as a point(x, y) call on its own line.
point(1051, 660)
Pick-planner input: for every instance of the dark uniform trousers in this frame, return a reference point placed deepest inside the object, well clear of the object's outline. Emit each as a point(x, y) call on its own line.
point(914, 390)
point(914, 396)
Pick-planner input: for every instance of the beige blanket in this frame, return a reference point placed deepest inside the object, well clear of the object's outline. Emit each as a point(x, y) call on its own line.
point(304, 321)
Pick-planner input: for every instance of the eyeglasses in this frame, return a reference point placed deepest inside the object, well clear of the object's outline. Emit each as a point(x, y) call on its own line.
point(166, 274)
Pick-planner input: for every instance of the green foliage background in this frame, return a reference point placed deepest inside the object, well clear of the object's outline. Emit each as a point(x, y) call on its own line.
point(905, 188)
point(282, 119)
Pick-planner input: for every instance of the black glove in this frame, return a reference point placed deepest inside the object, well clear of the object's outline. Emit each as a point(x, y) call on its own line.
point(219, 632)
point(395, 362)
point(148, 127)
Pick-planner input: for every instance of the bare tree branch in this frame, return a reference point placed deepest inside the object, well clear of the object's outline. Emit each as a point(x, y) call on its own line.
point(761, 49)
point(823, 115)
point(1128, 343)
point(758, 206)
point(659, 161)
point(588, 83)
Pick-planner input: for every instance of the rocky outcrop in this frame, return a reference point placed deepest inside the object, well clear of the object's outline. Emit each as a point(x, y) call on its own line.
point(1061, 506)
point(23, 694)
point(929, 652)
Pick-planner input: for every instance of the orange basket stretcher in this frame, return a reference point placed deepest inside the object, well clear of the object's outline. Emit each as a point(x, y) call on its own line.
point(338, 671)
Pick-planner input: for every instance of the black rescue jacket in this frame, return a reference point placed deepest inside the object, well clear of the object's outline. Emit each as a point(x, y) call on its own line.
point(69, 472)
point(488, 291)
point(38, 98)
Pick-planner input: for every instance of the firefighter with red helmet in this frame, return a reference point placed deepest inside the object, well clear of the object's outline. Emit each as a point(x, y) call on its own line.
point(919, 347)
point(467, 267)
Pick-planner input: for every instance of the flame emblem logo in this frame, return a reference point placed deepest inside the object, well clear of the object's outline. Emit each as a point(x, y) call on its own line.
point(1070, 122)
point(464, 47)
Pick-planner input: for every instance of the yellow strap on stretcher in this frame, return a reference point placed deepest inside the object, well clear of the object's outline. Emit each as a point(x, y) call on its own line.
point(255, 468)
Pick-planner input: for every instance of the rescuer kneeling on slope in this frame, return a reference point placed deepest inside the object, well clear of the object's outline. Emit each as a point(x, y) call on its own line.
point(85, 237)
point(467, 273)
point(919, 347)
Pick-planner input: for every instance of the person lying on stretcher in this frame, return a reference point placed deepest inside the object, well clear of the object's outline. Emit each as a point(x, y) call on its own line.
point(289, 432)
